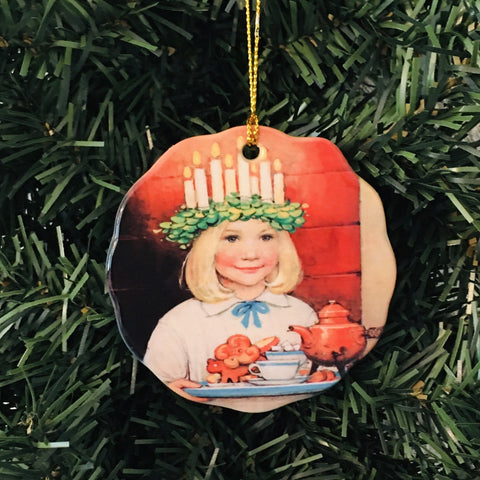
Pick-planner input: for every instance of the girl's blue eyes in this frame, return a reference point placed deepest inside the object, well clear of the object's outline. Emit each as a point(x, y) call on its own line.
point(233, 238)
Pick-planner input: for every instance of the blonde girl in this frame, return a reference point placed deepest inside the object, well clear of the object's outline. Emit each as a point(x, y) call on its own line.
point(237, 264)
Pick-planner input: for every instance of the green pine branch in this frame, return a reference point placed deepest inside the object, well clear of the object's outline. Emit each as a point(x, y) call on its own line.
point(91, 93)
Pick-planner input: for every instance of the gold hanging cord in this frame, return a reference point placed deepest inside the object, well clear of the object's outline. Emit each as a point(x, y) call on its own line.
point(252, 121)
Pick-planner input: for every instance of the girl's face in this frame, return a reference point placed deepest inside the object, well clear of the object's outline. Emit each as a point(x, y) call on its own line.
point(246, 256)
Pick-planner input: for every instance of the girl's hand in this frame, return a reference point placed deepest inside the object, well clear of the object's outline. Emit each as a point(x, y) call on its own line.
point(178, 385)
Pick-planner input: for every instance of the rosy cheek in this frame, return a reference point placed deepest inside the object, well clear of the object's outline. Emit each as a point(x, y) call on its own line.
point(224, 259)
point(271, 258)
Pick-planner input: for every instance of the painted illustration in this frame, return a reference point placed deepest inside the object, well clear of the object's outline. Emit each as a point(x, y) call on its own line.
point(259, 293)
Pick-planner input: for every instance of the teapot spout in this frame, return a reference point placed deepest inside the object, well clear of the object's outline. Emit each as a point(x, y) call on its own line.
point(304, 332)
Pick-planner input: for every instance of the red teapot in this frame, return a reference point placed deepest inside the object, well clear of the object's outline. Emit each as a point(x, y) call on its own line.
point(335, 340)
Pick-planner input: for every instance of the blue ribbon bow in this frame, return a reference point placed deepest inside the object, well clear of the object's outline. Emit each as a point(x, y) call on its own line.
point(250, 308)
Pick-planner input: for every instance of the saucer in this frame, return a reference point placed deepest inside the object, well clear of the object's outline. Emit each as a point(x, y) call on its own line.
point(290, 381)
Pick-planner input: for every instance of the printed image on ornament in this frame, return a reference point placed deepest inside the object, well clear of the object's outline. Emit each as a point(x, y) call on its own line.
point(250, 284)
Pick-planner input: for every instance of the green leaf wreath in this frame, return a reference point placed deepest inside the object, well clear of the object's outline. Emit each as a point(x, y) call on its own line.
point(188, 223)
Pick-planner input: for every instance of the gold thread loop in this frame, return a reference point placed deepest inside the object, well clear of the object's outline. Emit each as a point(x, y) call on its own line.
point(252, 129)
point(252, 121)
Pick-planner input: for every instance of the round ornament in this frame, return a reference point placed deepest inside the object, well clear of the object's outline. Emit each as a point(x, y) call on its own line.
point(250, 280)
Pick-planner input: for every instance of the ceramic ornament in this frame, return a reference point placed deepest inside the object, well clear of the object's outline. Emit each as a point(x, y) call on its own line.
point(250, 283)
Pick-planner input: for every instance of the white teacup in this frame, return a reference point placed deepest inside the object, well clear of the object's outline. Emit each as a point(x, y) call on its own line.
point(290, 356)
point(275, 369)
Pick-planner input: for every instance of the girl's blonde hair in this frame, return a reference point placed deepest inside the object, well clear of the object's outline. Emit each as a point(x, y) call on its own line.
point(202, 279)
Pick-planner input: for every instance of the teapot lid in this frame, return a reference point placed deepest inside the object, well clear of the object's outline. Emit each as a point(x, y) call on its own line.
point(331, 312)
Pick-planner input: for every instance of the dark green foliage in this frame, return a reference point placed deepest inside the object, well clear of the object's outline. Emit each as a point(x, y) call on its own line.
point(92, 92)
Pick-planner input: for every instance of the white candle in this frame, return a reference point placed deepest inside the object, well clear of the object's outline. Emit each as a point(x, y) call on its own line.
point(200, 182)
point(254, 186)
point(243, 177)
point(230, 176)
point(266, 182)
point(278, 190)
point(217, 180)
point(201, 188)
point(243, 171)
point(278, 183)
point(190, 199)
point(216, 175)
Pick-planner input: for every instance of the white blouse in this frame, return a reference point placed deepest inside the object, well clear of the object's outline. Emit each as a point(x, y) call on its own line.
point(186, 336)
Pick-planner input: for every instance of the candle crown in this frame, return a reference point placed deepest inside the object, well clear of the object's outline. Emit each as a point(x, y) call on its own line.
point(260, 195)
point(189, 223)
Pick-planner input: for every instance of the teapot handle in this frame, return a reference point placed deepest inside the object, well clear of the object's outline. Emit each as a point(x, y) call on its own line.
point(373, 332)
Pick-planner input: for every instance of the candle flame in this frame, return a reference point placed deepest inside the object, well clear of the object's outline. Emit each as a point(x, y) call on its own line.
point(187, 172)
point(228, 161)
point(277, 164)
point(215, 150)
point(197, 159)
point(253, 168)
point(240, 143)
